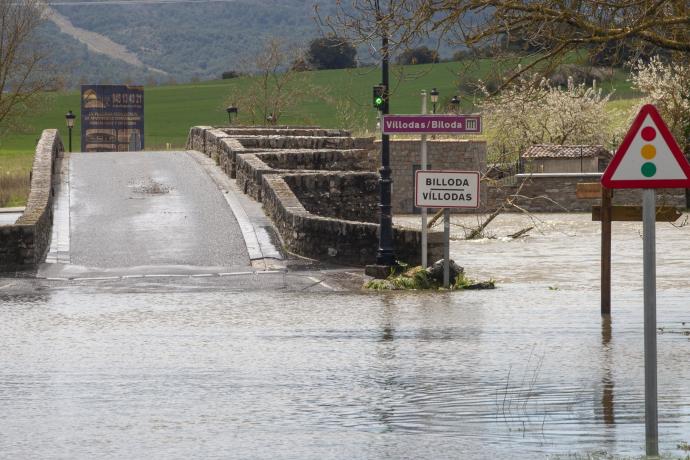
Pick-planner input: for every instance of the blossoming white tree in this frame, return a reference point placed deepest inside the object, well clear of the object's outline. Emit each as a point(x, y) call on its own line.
point(532, 111)
point(666, 86)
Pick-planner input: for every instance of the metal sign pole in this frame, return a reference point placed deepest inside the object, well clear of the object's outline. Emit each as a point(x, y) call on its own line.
point(446, 248)
point(649, 263)
point(424, 209)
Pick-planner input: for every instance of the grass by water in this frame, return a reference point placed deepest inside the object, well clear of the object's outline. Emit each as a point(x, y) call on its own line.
point(15, 169)
point(14, 189)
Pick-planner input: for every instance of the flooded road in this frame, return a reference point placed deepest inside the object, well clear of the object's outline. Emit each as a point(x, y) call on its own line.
point(276, 369)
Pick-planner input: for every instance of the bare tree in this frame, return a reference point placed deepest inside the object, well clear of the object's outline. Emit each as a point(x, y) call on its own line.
point(277, 88)
point(548, 29)
point(24, 74)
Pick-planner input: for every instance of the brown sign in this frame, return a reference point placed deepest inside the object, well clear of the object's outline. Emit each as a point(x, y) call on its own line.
point(634, 214)
point(588, 190)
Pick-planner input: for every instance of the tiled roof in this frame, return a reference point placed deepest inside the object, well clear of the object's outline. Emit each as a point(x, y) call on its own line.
point(565, 151)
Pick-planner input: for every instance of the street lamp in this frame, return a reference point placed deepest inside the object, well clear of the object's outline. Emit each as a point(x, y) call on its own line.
point(455, 103)
point(434, 99)
point(232, 110)
point(70, 124)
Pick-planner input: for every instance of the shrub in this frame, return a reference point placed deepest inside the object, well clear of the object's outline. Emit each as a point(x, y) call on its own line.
point(419, 55)
point(230, 74)
point(331, 53)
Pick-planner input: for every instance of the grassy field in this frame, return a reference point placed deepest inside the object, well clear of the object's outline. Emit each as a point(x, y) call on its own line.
point(339, 95)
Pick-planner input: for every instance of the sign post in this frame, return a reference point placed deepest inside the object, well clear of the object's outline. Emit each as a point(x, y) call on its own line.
point(649, 158)
point(649, 283)
point(422, 165)
point(433, 124)
point(446, 189)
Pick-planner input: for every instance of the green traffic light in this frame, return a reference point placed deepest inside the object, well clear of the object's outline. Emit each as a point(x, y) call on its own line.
point(379, 100)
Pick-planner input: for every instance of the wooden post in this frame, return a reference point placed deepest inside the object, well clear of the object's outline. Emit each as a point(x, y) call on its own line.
point(606, 198)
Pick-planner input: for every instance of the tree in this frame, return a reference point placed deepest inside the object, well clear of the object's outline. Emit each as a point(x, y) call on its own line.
point(24, 74)
point(548, 29)
point(419, 55)
point(331, 53)
point(276, 89)
point(667, 86)
point(532, 111)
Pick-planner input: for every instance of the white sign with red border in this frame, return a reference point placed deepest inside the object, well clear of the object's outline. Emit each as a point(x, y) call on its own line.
point(649, 156)
point(446, 189)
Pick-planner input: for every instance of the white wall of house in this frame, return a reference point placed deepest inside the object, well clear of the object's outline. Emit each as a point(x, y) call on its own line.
point(561, 165)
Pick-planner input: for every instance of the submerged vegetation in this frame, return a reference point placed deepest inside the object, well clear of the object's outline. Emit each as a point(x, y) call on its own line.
point(418, 278)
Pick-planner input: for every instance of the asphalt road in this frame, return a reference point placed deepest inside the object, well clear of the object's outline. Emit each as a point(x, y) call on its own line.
point(149, 209)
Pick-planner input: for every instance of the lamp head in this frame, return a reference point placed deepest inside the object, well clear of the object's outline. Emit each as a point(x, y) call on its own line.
point(70, 119)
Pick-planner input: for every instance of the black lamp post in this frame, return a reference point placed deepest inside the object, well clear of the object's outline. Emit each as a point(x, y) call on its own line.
point(70, 124)
point(385, 254)
point(232, 110)
point(434, 99)
point(455, 103)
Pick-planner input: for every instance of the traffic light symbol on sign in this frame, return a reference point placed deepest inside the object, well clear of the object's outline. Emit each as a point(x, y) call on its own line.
point(648, 152)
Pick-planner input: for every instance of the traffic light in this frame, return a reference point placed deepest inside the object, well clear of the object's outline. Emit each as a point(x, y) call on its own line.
point(380, 98)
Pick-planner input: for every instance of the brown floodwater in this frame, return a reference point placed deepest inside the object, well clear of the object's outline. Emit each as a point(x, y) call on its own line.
point(528, 370)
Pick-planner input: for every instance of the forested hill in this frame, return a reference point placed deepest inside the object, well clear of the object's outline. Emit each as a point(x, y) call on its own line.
point(186, 40)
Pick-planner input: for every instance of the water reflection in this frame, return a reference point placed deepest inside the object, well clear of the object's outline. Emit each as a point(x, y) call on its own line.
point(607, 385)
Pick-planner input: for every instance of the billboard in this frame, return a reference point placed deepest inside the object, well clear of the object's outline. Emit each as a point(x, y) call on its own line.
point(112, 118)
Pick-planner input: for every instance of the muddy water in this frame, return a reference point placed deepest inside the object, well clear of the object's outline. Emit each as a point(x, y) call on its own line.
point(525, 371)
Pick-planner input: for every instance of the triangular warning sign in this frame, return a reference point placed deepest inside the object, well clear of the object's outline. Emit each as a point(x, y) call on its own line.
point(649, 156)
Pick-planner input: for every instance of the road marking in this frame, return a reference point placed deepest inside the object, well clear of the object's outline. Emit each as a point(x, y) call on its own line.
point(318, 281)
point(256, 239)
point(236, 273)
point(166, 275)
point(96, 278)
point(60, 235)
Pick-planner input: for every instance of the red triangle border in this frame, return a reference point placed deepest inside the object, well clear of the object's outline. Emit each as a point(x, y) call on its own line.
point(648, 109)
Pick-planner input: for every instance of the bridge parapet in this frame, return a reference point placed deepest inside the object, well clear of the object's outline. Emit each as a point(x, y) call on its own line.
point(23, 245)
point(319, 186)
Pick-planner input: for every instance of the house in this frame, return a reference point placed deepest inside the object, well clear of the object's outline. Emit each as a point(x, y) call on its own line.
point(549, 158)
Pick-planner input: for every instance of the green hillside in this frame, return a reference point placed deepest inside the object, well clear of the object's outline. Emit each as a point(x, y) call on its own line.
point(171, 110)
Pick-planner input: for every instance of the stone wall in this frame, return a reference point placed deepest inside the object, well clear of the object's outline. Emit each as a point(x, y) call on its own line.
point(329, 160)
point(464, 155)
point(349, 196)
point(24, 244)
point(223, 145)
point(330, 239)
point(251, 167)
point(325, 215)
point(556, 192)
point(283, 131)
point(303, 142)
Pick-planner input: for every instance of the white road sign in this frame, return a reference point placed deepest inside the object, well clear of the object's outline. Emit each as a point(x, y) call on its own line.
point(447, 189)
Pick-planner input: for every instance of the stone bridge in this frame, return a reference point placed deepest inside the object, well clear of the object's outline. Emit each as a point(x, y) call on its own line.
point(237, 200)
